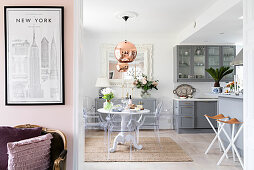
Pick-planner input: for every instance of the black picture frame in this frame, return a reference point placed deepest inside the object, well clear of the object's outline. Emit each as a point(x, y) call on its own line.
point(61, 76)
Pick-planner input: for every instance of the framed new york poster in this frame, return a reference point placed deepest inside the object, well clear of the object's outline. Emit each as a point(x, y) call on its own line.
point(34, 55)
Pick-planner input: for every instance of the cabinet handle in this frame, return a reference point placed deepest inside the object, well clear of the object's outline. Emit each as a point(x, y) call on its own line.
point(188, 106)
point(188, 116)
point(187, 103)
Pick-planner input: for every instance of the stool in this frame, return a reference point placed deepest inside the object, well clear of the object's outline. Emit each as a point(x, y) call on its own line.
point(221, 145)
point(232, 140)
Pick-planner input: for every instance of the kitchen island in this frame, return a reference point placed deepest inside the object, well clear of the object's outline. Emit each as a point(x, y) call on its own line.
point(231, 106)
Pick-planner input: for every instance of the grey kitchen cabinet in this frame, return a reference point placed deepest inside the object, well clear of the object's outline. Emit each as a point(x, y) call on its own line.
point(192, 60)
point(183, 114)
point(202, 108)
point(185, 121)
point(189, 115)
point(149, 103)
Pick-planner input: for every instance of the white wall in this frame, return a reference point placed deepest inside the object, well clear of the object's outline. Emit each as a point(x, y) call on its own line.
point(248, 61)
point(162, 66)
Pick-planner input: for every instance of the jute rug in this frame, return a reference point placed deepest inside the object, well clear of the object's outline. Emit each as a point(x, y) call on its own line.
point(170, 151)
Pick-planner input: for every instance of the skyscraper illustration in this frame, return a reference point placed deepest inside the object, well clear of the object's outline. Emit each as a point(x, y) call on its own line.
point(44, 59)
point(53, 60)
point(44, 53)
point(35, 90)
point(54, 65)
point(19, 68)
point(20, 56)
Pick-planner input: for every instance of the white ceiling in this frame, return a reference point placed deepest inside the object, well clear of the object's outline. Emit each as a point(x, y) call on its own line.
point(154, 16)
point(226, 29)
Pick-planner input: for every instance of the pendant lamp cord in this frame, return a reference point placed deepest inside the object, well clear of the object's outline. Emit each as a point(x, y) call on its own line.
point(125, 29)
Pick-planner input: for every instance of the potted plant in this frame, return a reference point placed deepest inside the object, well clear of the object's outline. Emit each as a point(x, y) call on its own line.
point(217, 75)
point(145, 85)
point(108, 96)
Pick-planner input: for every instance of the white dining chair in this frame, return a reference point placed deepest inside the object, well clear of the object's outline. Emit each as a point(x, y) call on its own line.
point(154, 121)
point(93, 119)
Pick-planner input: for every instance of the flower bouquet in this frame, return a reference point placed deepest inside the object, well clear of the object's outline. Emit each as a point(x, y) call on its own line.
point(231, 86)
point(145, 85)
point(108, 96)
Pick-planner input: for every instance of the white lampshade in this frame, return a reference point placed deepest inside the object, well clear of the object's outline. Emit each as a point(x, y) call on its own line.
point(102, 82)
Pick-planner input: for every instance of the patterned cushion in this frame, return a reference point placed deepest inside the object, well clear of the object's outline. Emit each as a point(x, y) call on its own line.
point(10, 134)
point(30, 154)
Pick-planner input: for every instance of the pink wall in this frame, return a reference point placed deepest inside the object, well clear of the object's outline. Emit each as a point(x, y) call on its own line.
point(57, 117)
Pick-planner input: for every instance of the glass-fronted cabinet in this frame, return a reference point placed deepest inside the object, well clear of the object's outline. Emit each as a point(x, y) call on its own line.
point(213, 58)
point(184, 62)
point(193, 60)
point(228, 55)
point(199, 62)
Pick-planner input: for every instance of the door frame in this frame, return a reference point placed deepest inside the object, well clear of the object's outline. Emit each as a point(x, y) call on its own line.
point(78, 136)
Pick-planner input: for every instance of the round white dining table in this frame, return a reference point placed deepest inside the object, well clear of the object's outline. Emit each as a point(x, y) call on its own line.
point(122, 137)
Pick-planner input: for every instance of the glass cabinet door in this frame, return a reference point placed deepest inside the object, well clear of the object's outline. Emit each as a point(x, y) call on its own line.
point(184, 62)
point(228, 55)
point(199, 62)
point(213, 58)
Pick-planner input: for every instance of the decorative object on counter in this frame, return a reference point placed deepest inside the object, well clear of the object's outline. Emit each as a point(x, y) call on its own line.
point(184, 91)
point(102, 82)
point(217, 75)
point(236, 85)
point(108, 96)
point(231, 87)
point(126, 52)
point(217, 90)
point(145, 85)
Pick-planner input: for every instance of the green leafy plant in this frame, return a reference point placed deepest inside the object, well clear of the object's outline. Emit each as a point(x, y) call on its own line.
point(218, 74)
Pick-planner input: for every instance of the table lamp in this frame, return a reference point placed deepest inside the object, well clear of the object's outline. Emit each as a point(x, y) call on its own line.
point(102, 82)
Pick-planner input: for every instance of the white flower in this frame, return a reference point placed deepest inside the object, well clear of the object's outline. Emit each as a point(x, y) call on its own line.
point(106, 91)
point(144, 81)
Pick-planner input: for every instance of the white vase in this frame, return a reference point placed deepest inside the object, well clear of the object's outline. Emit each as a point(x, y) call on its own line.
point(216, 90)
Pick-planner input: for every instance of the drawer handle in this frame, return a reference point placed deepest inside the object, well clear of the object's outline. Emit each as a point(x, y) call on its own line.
point(187, 106)
point(187, 103)
point(188, 116)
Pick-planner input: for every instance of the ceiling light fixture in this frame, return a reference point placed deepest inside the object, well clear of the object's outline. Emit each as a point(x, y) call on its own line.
point(125, 51)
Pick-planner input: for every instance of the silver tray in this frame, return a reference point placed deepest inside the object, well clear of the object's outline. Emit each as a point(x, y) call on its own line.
point(184, 90)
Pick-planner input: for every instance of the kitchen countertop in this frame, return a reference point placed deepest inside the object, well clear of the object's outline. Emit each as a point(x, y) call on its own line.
point(240, 96)
point(196, 99)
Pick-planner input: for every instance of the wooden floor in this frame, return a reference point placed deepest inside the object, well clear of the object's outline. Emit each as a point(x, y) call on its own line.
point(194, 144)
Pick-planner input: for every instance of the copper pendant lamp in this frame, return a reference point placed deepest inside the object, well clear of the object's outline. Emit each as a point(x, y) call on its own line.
point(122, 67)
point(125, 51)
